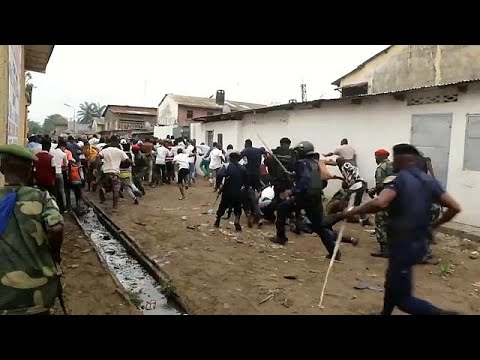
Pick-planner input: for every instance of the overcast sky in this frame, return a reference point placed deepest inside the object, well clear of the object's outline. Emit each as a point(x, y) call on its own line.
point(142, 74)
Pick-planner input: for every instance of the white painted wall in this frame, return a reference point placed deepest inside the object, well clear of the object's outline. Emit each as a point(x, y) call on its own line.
point(378, 122)
point(161, 132)
point(167, 113)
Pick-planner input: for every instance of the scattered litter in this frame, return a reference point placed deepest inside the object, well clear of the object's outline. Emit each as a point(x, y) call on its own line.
point(110, 251)
point(287, 303)
point(290, 277)
point(74, 266)
point(106, 237)
point(298, 259)
point(269, 297)
point(192, 227)
point(274, 246)
point(314, 271)
point(474, 255)
point(373, 275)
point(195, 209)
point(184, 218)
point(226, 306)
point(240, 241)
point(205, 235)
point(85, 251)
point(140, 223)
point(354, 297)
point(238, 289)
point(77, 246)
point(150, 305)
point(369, 231)
point(185, 248)
point(364, 285)
point(273, 256)
point(476, 284)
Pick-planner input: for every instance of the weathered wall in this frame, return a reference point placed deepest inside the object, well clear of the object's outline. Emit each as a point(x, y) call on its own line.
point(3, 93)
point(407, 66)
point(167, 112)
point(379, 122)
point(197, 112)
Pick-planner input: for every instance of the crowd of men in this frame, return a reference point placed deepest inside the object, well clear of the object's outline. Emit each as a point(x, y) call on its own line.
point(283, 186)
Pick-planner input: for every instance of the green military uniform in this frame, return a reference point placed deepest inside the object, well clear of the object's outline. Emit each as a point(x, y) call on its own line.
point(28, 277)
point(384, 170)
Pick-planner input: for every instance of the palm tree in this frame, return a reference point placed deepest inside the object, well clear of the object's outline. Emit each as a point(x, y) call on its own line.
point(88, 111)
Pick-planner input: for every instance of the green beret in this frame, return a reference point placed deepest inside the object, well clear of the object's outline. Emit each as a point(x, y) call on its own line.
point(17, 151)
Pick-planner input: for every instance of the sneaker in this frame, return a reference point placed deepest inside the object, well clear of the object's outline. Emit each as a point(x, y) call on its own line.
point(135, 201)
point(279, 240)
point(260, 224)
point(429, 260)
point(217, 223)
point(102, 195)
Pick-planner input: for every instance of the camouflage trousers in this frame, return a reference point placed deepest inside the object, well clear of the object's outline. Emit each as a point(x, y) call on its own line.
point(381, 219)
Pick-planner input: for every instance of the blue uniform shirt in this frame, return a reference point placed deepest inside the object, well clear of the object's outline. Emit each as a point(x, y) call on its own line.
point(409, 213)
point(302, 176)
point(254, 159)
point(235, 179)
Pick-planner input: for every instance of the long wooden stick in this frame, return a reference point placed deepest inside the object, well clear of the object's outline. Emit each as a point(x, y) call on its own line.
point(335, 250)
point(271, 153)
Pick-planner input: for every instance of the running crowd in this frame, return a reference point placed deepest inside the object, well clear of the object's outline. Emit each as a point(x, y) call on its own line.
point(284, 186)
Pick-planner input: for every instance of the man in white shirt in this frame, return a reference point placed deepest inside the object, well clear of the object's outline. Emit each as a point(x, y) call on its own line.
point(182, 160)
point(216, 161)
point(204, 152)
point(346, 152)
point(112, 157)
point(60, 158)
point(191, 150)
point(160, 168)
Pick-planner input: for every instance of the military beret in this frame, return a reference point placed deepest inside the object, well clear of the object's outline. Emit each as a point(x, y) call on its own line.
point(17, 151)
point(381, 152)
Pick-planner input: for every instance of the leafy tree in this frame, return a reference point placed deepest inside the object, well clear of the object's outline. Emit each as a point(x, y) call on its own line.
point(53, 120)
point(88, 111)
point(34, 127)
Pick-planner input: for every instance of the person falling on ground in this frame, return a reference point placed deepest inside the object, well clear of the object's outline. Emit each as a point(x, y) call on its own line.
point(112, 156)
point(183, 170)
point(345, 151)
point(306, 194)
point(139, 168)
point(408, 198)
point(235, 178)
point(31, 233)
point(384, 170)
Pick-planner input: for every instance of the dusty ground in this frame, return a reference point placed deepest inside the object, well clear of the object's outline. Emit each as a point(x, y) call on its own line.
point(88, 287)
point(223, 272)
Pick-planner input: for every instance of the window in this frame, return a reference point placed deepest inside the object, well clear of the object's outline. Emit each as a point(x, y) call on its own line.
point(209, 138)
point(220, 140)
point(189, 114)
point(435, 99)
point(355, 89)
point(471, 160)
point(209, 113)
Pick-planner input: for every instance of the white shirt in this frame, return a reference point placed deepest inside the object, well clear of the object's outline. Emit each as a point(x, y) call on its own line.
point(80, 144)
point(60, 159)
point(93, 141)
point(112, 157)
point(345, 151)
point(216, 156)
point(204, 149)
point(100, 146)
point(189, 151)
point(162, 153)
point(182, 161)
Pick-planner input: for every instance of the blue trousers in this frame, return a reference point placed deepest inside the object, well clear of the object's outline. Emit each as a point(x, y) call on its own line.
point(314, 211)
point(399, 282)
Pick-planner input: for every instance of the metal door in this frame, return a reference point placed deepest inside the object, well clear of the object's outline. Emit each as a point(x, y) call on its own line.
point(431, 135)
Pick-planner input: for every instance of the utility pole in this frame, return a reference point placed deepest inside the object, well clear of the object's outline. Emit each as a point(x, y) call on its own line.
point(303, 88)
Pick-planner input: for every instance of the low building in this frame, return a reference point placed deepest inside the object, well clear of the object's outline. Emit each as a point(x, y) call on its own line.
point(97, 125)
point(401, 67)
point(180, 110)
point(123, 119)
point(442, 121)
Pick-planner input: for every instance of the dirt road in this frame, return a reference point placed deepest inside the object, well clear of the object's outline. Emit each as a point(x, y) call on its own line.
point(223, 272)
point(88, 287)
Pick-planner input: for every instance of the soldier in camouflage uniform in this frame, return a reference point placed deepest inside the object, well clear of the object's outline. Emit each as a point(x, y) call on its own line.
point(384, 170)
point(30, 243)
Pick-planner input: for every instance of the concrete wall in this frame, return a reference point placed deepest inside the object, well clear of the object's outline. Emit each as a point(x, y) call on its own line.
point(378, 122)
point(167, 112)
point(197, 112)
point(407, 66)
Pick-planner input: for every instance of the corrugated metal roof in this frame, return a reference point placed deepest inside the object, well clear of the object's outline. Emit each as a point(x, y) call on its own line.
point(316, 103)
point(207, 103)
point(132, 110)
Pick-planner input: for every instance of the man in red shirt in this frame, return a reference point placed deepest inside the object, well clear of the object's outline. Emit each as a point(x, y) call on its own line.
point(44, 173)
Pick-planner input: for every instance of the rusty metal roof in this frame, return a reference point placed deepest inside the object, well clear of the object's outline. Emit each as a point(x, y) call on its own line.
point(317, 103)
point(37, 57)
point(210, 103)
point(130, 110)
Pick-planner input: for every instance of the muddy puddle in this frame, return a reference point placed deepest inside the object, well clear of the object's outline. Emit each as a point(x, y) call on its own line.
point(145, 291)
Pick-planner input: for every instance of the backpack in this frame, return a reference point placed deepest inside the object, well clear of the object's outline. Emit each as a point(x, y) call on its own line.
point(6, 209)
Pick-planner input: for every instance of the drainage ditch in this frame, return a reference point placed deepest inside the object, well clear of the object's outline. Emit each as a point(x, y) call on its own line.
point(139, 280)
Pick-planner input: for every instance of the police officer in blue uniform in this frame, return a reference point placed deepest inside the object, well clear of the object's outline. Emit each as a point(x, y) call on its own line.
point(408, 197)
point(306, 194)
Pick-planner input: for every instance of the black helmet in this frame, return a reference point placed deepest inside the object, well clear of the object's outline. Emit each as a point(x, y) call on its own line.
point(304, 148)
